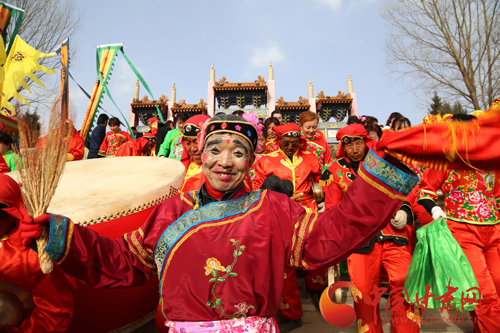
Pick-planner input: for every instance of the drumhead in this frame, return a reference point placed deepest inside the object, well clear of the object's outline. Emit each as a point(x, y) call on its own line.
point(103, 189)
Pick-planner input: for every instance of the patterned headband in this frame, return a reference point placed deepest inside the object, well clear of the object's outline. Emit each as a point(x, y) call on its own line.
point(348, 139)
point(246, 130)
point(191, 130)
point(292, 134)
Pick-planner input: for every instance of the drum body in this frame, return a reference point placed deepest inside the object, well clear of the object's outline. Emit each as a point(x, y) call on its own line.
point(114, 196)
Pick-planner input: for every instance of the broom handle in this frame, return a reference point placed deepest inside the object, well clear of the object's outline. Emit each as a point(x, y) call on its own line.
point(46, 264)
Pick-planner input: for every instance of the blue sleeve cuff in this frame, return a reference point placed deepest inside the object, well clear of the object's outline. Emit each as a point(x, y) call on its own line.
point(57, 236)
point(388, 174)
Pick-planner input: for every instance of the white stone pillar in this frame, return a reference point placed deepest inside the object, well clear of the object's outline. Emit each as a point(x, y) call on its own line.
point(211, 93)
point(312, 100)
point(271, 94)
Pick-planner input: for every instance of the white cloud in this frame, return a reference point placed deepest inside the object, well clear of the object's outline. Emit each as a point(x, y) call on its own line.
point(261, 56)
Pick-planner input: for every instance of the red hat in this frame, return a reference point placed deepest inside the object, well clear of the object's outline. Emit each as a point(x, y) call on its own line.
point(192, 127)
point(351, 133)
point(289, 130)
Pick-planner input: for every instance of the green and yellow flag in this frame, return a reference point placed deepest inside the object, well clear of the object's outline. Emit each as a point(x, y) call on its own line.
point(22, 61)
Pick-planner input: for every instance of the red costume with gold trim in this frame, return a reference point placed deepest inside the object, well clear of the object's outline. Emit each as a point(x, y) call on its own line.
point(19, 266)
point(227, 258)
point(112, 142)
point(193, 179)
point(390, 248)
point(300, 170)
point(471, 204)
point(76, 149)
point(320, 148)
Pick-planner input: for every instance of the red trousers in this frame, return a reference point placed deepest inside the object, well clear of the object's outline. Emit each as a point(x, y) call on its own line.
point(364, 270)
point(481, 245)
point(290, 306)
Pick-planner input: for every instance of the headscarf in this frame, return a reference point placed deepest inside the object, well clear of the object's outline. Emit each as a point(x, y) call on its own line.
point(11, 200)
point(192, 127)
point(154, 125)
point(290, 130)
point(351, 133)
point(141, 142)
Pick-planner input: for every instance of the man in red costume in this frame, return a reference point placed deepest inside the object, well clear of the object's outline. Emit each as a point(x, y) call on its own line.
point(389, 249)
point(296, 167)
point(19, 266)
point(138, 147)
point(471, 205)
point(220, 252)
point(191, 156)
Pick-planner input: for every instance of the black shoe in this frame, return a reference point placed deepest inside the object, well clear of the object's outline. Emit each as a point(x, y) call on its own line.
point(288, 325)
point(315, 296)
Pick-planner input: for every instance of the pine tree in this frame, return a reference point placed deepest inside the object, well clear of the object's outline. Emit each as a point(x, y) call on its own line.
point(436, 106)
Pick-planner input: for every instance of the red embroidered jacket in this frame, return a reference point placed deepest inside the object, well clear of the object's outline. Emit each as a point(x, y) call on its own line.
point(469, 196)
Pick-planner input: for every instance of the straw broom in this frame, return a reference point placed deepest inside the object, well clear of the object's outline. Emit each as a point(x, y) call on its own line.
point(40, 168)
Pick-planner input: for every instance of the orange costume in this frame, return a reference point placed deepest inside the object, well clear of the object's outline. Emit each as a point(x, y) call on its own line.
point(112, 142)
point(193, 176)
point(19, 266)
point(301, 169)
point(319, 147)
point(76, 148)
point(136, 147)
point(389, 249)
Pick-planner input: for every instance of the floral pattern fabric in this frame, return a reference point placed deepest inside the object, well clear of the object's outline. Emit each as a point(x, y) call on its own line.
point(112, 143)
point(320, 148)
point(272, 145)
point(248, 325)
point(469, 196)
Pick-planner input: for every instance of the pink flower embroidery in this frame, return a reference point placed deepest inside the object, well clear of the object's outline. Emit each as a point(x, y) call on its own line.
point(483, 210)
point(457, 197)
point(474, 198)
point(238, 127)
point(242, 307)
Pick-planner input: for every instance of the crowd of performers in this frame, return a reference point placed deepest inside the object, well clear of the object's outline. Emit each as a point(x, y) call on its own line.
point(228, 246)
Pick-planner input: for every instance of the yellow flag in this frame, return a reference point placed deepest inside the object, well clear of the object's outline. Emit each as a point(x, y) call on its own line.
point(22, 61)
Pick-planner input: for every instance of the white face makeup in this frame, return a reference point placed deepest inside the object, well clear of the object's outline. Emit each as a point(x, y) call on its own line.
point(226, 160)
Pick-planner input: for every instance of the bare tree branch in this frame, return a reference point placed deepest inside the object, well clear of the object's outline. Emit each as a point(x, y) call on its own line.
point(449, 46)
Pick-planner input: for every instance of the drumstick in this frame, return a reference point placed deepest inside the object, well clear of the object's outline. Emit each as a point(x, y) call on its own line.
point(40, 168)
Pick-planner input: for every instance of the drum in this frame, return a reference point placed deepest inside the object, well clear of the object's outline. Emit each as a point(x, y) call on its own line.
point(114, 196)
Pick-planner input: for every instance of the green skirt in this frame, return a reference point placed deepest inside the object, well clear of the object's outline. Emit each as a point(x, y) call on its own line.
point(437, 258)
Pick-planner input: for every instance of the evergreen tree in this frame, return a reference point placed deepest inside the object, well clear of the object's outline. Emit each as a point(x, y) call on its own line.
point(443, 107)
point(436, 105)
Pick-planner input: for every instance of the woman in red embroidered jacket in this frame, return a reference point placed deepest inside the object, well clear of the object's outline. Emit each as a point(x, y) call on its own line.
point(113, 139)
point(471, 205)
point(220, 252)
point(316, 141)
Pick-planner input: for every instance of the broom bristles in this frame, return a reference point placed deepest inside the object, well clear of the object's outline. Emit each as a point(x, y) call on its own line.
point(40, 168)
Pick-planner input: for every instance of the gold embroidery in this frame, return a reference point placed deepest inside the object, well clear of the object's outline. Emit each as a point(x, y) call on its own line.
point(141, 232)
point(380, 187)
point(304, 263)
point(302, 231)
point(140, 248)
point(137, 254)
point(69, 238)
point(183, 198)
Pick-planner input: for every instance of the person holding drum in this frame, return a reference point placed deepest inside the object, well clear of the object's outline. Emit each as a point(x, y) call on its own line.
point(191, 156)
point(23, 287)
point(220, 252)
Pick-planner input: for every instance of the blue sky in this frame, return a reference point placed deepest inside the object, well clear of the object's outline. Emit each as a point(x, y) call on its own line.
point(169, 41)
